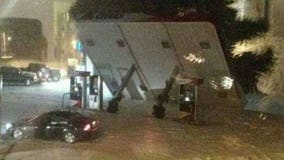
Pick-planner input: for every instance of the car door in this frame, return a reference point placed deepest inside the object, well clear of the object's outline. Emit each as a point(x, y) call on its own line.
point(15, 75)
point(41, 124)
point(9, 74)
point(58, 121)
point(45, 125)
point(5, 73)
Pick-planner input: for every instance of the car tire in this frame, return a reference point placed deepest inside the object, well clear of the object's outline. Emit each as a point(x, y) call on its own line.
point(69, 137)
point(18, 134)
point(28, 82)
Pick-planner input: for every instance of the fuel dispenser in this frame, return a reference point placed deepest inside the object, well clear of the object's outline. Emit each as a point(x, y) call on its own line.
point(84, 90)
point(187, 100)
point(75, 89)
point(187, 94)
point(94, 92)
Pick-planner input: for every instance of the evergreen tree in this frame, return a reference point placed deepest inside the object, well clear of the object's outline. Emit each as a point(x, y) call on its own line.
point(245, 69)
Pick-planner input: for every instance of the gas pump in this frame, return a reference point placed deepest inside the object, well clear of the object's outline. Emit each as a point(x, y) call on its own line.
point(187, 94)
point(75, 89)
point(84, 90)
point(187, 100)
point(94, 92)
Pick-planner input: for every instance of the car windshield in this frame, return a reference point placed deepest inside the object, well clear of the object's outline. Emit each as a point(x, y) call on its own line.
point(143, 79)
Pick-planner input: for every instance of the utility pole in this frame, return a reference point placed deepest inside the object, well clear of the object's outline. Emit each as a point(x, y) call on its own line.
point(84, 87)
point(101, 92)
point(1, 91)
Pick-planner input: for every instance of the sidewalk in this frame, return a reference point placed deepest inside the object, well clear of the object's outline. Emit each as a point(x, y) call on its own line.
point(266, 104)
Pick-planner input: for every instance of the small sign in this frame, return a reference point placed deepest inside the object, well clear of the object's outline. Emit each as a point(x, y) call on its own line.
point(82, 73)
point(182, 79)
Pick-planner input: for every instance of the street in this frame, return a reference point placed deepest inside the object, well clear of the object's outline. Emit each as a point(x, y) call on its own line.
point(22, 101)
point(133, 133)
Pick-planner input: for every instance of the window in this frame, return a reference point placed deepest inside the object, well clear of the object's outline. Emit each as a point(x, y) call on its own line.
point(166, 44)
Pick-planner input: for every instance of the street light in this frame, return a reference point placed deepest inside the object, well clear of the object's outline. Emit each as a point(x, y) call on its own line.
point(4, 46)
point(3, 56)
point(9, 38)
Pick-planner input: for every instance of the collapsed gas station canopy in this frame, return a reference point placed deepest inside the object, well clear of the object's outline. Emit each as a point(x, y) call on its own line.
point(155, 48)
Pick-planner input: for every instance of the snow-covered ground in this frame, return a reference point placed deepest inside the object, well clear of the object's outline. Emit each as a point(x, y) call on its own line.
point(265, 103)
point(133, 133)
point(23, 101)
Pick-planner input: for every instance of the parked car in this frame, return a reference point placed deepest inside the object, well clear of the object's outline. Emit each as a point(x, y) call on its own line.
point(54, 75)
point(16, 75)
point(42, 71)
point(67, 125)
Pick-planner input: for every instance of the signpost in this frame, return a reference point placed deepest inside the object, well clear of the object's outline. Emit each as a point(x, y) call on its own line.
point(1, 90)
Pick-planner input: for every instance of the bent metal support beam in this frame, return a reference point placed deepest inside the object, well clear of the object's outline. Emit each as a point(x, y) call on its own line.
point(113, 104)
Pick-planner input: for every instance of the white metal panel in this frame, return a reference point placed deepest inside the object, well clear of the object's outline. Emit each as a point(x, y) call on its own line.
point(155, 61)
point(101, 42)
point(143, 47)
point(188, 38)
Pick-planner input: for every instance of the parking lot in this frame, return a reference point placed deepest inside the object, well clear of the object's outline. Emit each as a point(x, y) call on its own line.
point(19, 101)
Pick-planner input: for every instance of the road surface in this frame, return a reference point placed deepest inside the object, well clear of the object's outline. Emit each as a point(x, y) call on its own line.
point(133, 133)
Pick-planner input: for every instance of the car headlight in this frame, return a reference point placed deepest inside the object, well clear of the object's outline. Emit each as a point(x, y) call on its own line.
point(94, 123)
point(8, 125)
point(40, 73)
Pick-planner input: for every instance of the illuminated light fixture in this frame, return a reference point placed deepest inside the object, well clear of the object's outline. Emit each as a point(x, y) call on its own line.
point(194, 58)
point(76, 89)
point(4, 44)
point(227, 82)
point(8, 125)
point(74, 43)
point(87, 127)
point(62, 72)
point(67, 16)
point(77, 45)
point(6, 57)
point(214, 85)
point(187, 99)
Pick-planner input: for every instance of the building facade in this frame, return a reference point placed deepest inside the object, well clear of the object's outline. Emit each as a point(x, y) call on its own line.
point(51, 14)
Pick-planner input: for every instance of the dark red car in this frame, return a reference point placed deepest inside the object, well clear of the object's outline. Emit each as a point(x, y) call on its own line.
point(67, 125)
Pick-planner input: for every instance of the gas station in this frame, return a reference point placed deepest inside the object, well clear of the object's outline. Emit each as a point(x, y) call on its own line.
point(124, 60)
